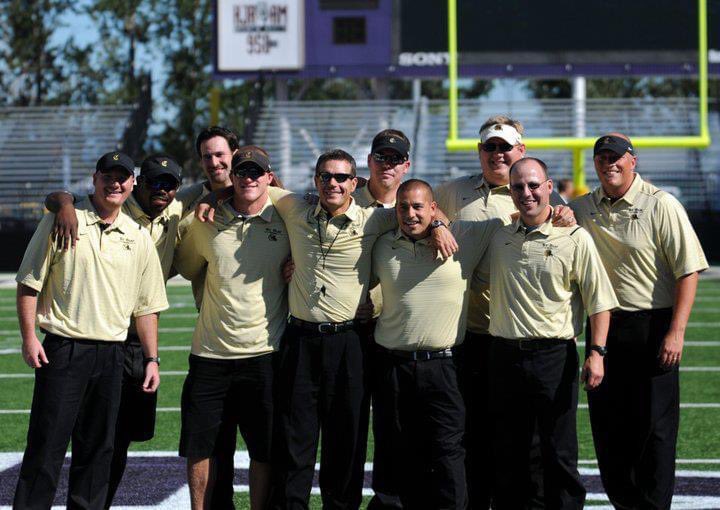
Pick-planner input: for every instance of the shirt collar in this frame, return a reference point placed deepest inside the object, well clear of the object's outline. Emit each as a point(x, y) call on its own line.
point(400, 235)
point(265, 214)
point(480, 183)
point(599, 194)
point(351, 213)
point(92, 217)
point(545, 228)
point(137, 213)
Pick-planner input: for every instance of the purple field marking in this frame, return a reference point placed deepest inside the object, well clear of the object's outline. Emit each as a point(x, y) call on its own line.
point(150, 480)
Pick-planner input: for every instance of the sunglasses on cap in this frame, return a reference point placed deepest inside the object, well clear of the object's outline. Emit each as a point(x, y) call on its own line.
point(339, 178)
point(532, 186)
point(393, 159)
point(492, 147)
point(251, 172)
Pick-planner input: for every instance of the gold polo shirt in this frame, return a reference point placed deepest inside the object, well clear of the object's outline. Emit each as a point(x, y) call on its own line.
point(645, 240)
point(163, 229)
point(425, 298)
point(190, 196)
point(544, 281)
point(364, 198)
point(92, 291)
point(471, 198)
point(332, 255)
point(244, 308)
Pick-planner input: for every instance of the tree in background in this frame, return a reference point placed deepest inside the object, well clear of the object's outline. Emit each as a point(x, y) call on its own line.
point(647, 87)
point(31, 65)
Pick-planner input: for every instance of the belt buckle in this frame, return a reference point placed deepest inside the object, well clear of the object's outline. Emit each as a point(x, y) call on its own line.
point(421, 356)
point(525, 345)
point(329, 325)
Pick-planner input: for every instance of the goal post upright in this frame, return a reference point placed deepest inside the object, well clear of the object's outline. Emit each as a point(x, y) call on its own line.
point(698, 141)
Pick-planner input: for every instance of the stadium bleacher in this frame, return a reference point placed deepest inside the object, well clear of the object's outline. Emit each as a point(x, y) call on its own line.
point(43, 149)
point(295, 133)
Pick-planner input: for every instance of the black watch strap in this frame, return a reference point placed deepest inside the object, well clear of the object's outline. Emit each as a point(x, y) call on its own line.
point(150, 359)
point(436, 224)
point(600, 349)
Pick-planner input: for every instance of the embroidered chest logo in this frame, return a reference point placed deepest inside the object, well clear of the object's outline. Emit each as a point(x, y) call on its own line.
point(273, 233)
point(635, 212)
point(549, 248)
point(127, 243)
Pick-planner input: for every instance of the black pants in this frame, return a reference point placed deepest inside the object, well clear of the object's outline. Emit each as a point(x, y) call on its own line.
point(321, 385)
point(136, 415)
point(635, 413)
point(474, 380)
point(529, 387)
point(420, 415)
point(76, 395)
point(384, 478)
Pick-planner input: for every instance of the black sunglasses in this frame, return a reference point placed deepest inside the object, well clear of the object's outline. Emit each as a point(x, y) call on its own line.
point(492, 147)
point(252, 172)
point(532, 186)
point(393, 159)
point(163, 185)
point(339, 178)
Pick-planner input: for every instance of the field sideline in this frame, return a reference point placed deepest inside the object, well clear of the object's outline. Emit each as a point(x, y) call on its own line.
point(156, 475)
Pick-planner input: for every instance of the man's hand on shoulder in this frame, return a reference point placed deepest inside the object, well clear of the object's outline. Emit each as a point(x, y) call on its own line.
point(65, 227)
point(563, 216)
point(443, 241)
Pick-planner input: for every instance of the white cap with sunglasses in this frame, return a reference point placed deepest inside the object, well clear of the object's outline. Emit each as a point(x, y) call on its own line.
point(502, 131)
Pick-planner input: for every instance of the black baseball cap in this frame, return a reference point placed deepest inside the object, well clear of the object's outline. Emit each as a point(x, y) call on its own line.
point(115, 160)
point(394, 142)
point(612, 143)
point(160, 164)
point(250, 157)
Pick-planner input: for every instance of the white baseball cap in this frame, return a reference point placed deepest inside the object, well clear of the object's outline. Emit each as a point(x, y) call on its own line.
point(507, 133)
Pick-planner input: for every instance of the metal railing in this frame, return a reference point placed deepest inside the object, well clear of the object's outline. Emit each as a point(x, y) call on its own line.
point(295, 133)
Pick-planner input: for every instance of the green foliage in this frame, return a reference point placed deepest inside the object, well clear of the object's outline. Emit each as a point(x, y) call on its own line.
point(31, 65)
point(647, 87)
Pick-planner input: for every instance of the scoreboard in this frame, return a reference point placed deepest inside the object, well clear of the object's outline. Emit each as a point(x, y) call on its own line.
point(408, 38)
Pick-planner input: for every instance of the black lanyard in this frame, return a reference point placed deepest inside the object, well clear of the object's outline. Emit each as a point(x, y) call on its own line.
point(324, 254)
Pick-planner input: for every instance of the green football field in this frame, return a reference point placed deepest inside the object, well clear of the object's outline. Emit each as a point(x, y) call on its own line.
point(698, 446)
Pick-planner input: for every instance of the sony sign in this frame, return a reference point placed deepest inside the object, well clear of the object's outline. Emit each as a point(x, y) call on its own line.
point(255, 35)
point(423, 59)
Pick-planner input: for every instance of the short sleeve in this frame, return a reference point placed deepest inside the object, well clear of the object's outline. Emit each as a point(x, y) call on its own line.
point(38, 257)
point(680, 244)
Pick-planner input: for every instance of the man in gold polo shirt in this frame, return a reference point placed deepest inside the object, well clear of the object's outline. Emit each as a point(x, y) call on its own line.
point(152, 206)
point(542, 280)
point(388, 162)
point(478, 198)
point(230, 382)
point(653, 258)
point(418, 409)
point(322, 379)
point(84, 300)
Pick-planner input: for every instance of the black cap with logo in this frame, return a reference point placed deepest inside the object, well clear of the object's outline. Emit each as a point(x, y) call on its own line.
point(160, 164)
point(394, 142)
point(250, 157)
point(612, 143)
point(115, 160)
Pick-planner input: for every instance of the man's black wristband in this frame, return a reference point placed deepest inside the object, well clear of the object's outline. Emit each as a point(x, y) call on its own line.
point(150, 359)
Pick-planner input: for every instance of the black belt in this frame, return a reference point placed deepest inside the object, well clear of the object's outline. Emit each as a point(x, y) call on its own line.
point(417, 355)
point(532, 344)
point(626, 314)
point(321, 327)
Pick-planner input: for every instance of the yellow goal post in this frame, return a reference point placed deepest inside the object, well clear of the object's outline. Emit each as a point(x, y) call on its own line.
point(578, 145)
